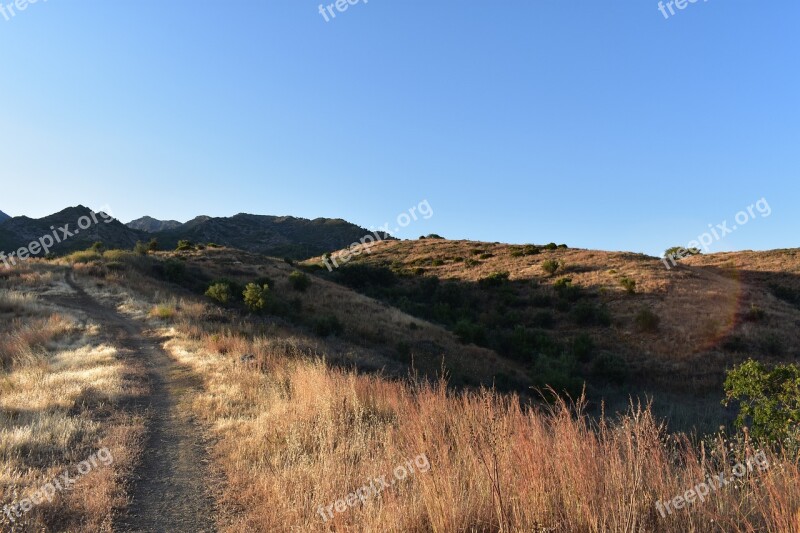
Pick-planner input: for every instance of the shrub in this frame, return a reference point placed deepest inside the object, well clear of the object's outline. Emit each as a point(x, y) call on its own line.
point(543, 319)
point(140, 248)
point(163, 312)
point(772, 344)
point(153, 245)
point(184, 245)
point(530, 249)
point(485, 256)
point(434, 236)
point(610, 367)
point(174, 270)
point(629, 285)
point(299, 280)
point(97, 247)
point(647, 321)
point(755, 314)
point(768, 398)
point(469, 332)
point(494, 280)
point(255, 296)
point(550, 266)
point(551, 246)
point(221, 292)
point(582, 347)
point(327, 326)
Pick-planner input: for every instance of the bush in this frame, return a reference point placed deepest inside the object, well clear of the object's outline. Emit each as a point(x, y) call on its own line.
point(469, 332)
point(174, 270)
point(255, 296)
point(530, 249)
point(755, 314)
point(153, 245)
point(551, 246)
point(494, 280)
point(327, 326)
point(543, 319)
point(611, 368)
point(299, 280)
point(221, 292)
point(184, 245)
point(768, 398)
point(97, 247)
point(629, 285)
point(582, 347)
point(550, 266)
point(647, 321)
point(140, 248)
point(485, 256)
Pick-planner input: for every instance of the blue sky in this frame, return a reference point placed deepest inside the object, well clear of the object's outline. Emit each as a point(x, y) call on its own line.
point(597, 124)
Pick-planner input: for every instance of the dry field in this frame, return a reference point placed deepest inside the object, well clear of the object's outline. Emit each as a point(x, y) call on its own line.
point(294, 433)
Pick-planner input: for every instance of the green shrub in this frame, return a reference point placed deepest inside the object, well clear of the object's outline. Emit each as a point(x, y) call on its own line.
point(255, 296)
point(647, 321)
point(153, 245)
point(221, 292)
point(582, 347)
point(327, 326)
point(97, 247)
point(470, 332)
point(184, 245)
point(471, 262)
point(551, 246)
point(494, 280)
point(755, 314)
point(550, 266)
point(610, 367)
point(140, 248)
point(485, 256)
point(629, 285)
point(299, 280)
point(530, 249)
point(543, 319)
point(174, 270)
point(768, 400)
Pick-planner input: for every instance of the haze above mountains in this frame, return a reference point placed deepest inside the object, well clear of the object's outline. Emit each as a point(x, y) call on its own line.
point(283, 236)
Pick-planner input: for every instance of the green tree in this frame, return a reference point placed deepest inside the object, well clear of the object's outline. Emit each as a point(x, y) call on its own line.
point(255, 296)
point(184, 245)
point(768, 398)
point(221, 292)
point(153, 245)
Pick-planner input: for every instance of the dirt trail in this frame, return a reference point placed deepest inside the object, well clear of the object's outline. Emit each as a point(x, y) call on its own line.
point(171, 490)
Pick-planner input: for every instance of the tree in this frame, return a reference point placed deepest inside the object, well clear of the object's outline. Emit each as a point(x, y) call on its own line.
point(184, 245)
point(255, 296)
point(153, 245)
point(221, 292)
point(769, 399)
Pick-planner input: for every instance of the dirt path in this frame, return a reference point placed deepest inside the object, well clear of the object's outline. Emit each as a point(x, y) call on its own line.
point(171, 490)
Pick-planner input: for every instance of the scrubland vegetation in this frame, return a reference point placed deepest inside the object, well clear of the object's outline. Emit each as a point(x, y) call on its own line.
point(310, 390)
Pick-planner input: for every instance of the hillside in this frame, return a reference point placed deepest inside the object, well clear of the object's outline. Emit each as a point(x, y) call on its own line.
point(618, 321)
point(3, 217)
point(21, 231)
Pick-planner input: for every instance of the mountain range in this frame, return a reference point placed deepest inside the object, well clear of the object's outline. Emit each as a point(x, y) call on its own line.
point(284, 236)
point(3, 216)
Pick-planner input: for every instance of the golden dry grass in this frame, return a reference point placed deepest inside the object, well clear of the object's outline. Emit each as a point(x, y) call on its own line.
point(59, 395)
point(292, 434)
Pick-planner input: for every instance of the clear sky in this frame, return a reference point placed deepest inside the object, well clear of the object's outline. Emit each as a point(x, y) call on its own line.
point(600, 124)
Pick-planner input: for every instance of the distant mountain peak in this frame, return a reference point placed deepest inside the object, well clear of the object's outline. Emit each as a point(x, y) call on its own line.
point(153, 225)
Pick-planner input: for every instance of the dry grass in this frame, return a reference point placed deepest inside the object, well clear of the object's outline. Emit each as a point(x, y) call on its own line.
point(60, 391)
point(293, 434)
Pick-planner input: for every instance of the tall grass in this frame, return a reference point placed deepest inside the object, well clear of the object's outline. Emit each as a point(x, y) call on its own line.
point(295, 435)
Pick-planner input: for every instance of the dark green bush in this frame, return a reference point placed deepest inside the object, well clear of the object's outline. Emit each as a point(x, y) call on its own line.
point(327, 326)
point(629, 285)
point(220, 292)
point(610, 367)
point(582, 347)
point(255, 296)
point(299, 280)
point(184, 246)
point(495, 279)
point(647, 321)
